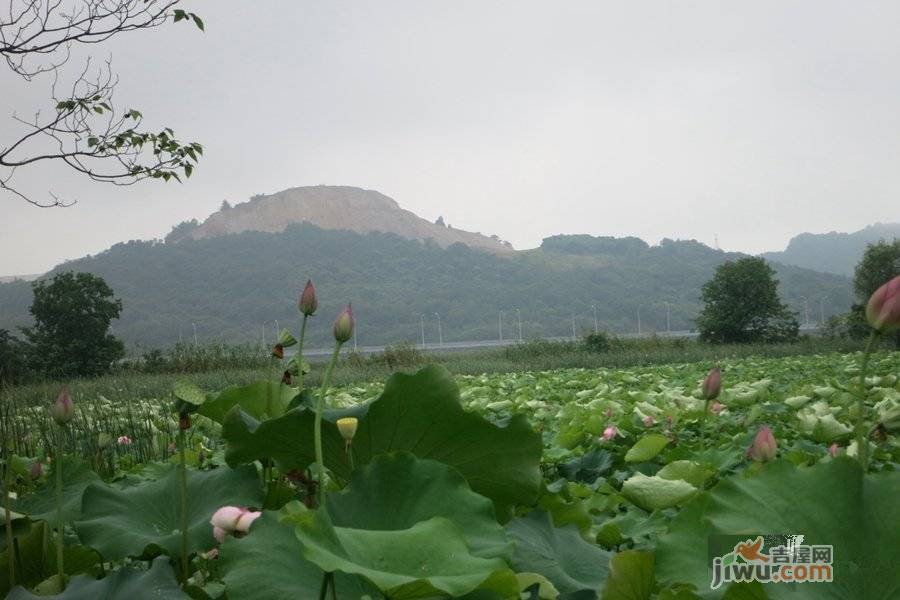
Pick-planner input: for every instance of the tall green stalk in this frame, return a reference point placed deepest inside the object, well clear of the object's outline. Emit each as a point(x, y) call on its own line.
point(60, 524)
point(300, 351)
point(862, 439)
point(184, 505)
point(320, 406)
point(7, 498)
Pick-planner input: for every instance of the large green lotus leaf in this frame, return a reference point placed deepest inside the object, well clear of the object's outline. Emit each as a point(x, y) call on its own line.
point(412, 527)
point(157, 583)
point(252, 398)
point(630, 576)
point(558, 553)
point(646, 448)
point(830, 503)
point(36, 558)
point(655, 493)
point(418, 413)
point(41, 504)
point(272, 554)
point(144, 519)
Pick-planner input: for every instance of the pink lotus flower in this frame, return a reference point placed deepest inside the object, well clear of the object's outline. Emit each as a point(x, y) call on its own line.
point(63, 410)
point(343, 325)
point(883, 309)
point(123, 440)
point(833, 450)
point(308, 302)
point(649, 421)
point(764, 447)
point(712, 385)
point(232, 520)
point(716, 407)
point(609, 433)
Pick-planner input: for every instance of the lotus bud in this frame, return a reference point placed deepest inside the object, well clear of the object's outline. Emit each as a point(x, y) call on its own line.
point(278, 351)
point(62, 410)
point(347, 426)
point(716, 407)
point(343, 325)
point(712, 385)
point(764, 447)
point(308, 302)
point(232, 520)
point(35, 471)
point(245, 520)
point(833, 450)
point(286, 378)
point(123, 440)
point(649, 421)
point(883, 309)
point(609, 433)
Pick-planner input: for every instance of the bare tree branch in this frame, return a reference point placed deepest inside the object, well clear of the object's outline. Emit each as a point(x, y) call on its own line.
point(85, 131)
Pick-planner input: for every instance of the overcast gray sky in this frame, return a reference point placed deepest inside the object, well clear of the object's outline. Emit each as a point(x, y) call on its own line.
point(753, 121)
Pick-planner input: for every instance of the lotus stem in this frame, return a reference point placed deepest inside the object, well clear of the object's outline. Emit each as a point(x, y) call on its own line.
point(184, 505)
point(320, 406)
point(862, 441)
point(300, 351)
point(60, 523)
point(7, 490)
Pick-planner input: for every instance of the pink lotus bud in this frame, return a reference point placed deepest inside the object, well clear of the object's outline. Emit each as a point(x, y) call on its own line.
point(764, 447)
point(712, 385)
point(62, 410)
point(833, 450)
point(883, 309)
point(308, 302)
point(609, 433)
point(245, 520)
point(649, 421)
point(716, 407)
point(35, 471)
point(343, 325)
point(123, 440)
point(219, 534)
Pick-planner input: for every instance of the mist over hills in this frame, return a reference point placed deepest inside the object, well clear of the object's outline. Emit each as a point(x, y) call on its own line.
point(833, 252)
point(233, 282)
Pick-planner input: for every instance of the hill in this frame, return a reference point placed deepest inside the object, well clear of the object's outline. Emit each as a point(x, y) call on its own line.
point(833, 252)
point(332, 207)
point(235, 286)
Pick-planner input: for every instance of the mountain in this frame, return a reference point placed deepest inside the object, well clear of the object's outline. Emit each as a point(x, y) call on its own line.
point(833, 252)
point(332, 207)
point(235, 287)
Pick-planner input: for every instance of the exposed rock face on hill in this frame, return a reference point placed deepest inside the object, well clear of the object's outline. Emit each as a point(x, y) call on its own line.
point(336, 207)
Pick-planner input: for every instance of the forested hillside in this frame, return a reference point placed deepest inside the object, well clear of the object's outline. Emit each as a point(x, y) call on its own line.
point(233, 286)
point(833, 252)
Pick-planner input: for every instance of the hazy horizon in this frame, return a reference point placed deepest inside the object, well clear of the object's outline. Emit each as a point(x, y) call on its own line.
point(750, 123)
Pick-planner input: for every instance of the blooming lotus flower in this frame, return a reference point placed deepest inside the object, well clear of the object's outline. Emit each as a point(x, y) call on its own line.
point(716, 407)
point(764, 447)
point(63, 410)
point(232, 520)
point(123, 440)
point(712, 385)
point(609, 433)
point(883, 309)
point(308, 302)
point(343, 325)
point(347, 426)
point(649, 421)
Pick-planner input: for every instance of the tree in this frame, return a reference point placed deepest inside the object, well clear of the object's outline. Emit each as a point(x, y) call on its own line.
point(72, 315)
point(879, 264)
point(13, 358)
point(83, 128)
point(742, 305)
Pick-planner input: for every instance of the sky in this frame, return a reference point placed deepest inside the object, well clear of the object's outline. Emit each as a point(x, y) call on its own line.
point(746, 123)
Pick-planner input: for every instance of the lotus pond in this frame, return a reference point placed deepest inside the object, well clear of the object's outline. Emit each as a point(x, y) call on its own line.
point(571, 484)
